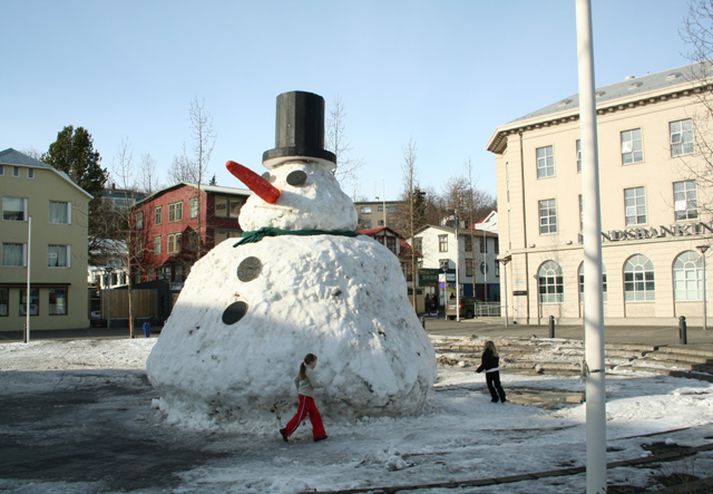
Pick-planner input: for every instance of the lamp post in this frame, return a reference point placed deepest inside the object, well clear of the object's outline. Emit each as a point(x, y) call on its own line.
point(108, 270)
point(504, 261)
point(455, 214)
point(703, 249)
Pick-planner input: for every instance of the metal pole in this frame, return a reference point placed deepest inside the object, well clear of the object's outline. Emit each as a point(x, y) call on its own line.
point(505, 279)
point(457, 271)
point(593, 304)
point(703, 249)
point(27, 292)
point(485, 267)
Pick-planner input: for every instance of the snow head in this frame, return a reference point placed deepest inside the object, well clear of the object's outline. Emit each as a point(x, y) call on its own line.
point(250, 311)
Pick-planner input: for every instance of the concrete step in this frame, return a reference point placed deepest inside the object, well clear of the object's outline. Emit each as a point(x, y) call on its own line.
point(671, 365)
point(685, 350)
point(679, 357)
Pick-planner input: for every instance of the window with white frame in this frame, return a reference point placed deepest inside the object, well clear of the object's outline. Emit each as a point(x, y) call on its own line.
point(632, 149)
point(157, 215)
point(175, 212)
point(139, 220)
point(468, 243)
point(550, 283)
point(58, 301)
point(681, 136)
point(545, 161)
point(580, 276)
point(578, 147)
point(15, 171)
point(635, 206)
point(443, 243)
point(60, 213)
point(14, 254)
point(639, 285)
point(581, 213)
point(58, 256)
point(469, 267)
point(226, 207)
point(157, 245)
point(688, 277)
point(30, 173)
point(194, 207)
point(685, 200)
point(548, 216)
point(14, 208)
point(173, 243)
point(365, 209)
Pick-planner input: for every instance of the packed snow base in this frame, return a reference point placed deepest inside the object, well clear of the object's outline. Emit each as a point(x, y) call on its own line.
point(341, 298)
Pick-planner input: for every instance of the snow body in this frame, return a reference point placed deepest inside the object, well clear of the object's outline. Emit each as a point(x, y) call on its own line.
point(340, 297)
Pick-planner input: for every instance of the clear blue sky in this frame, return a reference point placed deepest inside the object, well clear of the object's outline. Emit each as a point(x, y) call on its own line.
point(443, 73)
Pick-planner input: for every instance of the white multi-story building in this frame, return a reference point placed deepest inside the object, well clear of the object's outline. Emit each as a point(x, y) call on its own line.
point(653, 202)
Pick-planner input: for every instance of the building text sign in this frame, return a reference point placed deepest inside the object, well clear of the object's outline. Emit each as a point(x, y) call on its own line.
point(644, 233)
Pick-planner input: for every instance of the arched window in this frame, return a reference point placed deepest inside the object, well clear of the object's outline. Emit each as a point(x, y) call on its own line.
point(580, 276)
point(639, 279)
point(688, 277)
point(549, 282)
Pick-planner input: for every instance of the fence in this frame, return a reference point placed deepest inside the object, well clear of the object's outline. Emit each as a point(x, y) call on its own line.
point(487, 309)
point(115, 303)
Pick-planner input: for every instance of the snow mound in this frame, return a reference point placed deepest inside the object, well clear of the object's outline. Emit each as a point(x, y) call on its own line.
point(247, 315)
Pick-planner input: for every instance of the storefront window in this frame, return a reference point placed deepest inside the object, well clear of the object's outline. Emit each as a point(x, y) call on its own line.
point(58, 301)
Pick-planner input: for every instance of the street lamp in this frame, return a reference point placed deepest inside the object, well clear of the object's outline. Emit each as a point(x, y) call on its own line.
point(703, 249)
point(504, 261)
point(108, 270)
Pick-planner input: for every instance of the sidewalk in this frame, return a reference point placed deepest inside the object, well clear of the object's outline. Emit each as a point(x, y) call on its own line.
point(75, 334)
point(634, 335)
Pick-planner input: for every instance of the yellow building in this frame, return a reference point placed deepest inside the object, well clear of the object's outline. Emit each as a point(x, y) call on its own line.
point(654, 203)
point(58, 246)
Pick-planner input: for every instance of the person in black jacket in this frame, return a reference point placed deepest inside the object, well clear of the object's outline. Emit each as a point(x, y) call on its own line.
point(489, 364)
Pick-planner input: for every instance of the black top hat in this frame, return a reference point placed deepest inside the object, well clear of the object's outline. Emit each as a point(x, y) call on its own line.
point(299, 129)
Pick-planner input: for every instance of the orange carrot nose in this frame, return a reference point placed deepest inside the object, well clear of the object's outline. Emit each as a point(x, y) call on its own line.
point(255, 182)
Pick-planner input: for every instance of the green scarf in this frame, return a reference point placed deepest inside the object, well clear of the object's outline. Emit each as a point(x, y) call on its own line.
point(257, 235)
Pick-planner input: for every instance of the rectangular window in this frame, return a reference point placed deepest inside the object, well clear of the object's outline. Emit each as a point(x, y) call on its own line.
point(548, 216)
point(468, 244)
point(194, 207)
point(443, 243)
point(681, 137)
point(234, 206)
point(14, 254)
point(365, 210)
point(380, 208)
point(578, 146)
point(390, 209)
point(30, 173)
point(391, 244)
point(4, 301)
point(632, 149)
point(175, 212)
point(15, 171)
point(14, 209)
point(139, 220)
point(545, 161)
point(157, 245)
point(227, 208)
point(635, 206)
point(685, 201)
point(380, 222)
point(581, 213)
point(58, 256)
point(60, 213)
point(173, 243)
point(58, 301)
point(418, 245)
point(34, 302)
point(2, 170)
point(469, 267)
point(157, 215)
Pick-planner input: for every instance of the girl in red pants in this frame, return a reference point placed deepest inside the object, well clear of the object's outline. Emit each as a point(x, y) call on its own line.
point(305, 403)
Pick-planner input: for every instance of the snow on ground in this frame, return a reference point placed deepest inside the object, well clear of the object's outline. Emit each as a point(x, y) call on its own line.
point(461, 435)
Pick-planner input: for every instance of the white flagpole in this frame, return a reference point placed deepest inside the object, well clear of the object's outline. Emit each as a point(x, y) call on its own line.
point(27, 292)
point(593, 306)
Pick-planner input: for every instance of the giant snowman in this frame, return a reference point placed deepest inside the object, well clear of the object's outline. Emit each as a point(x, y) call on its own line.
point(300, 280)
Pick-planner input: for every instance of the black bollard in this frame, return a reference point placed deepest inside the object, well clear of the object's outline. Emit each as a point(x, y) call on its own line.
point(682, 331)
point(552, 326)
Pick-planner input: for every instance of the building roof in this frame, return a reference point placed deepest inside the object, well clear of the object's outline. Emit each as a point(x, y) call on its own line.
point(632, 89)
point(215, 189)
point(461, 231)
point(13, 157)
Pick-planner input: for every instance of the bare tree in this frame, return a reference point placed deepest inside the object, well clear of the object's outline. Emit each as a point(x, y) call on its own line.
point(149, 178)
point(409, 170)
point(182, 169)
point(337, 142)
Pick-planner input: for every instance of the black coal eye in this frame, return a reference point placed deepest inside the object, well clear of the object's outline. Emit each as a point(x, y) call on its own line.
point(249, 269)
point(297, 177)
point(235, 312)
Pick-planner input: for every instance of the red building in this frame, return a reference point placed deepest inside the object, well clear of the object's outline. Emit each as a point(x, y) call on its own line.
point(166, 223)
point(395, 243)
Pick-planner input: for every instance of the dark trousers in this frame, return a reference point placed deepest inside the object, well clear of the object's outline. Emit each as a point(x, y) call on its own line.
point(492, 379)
